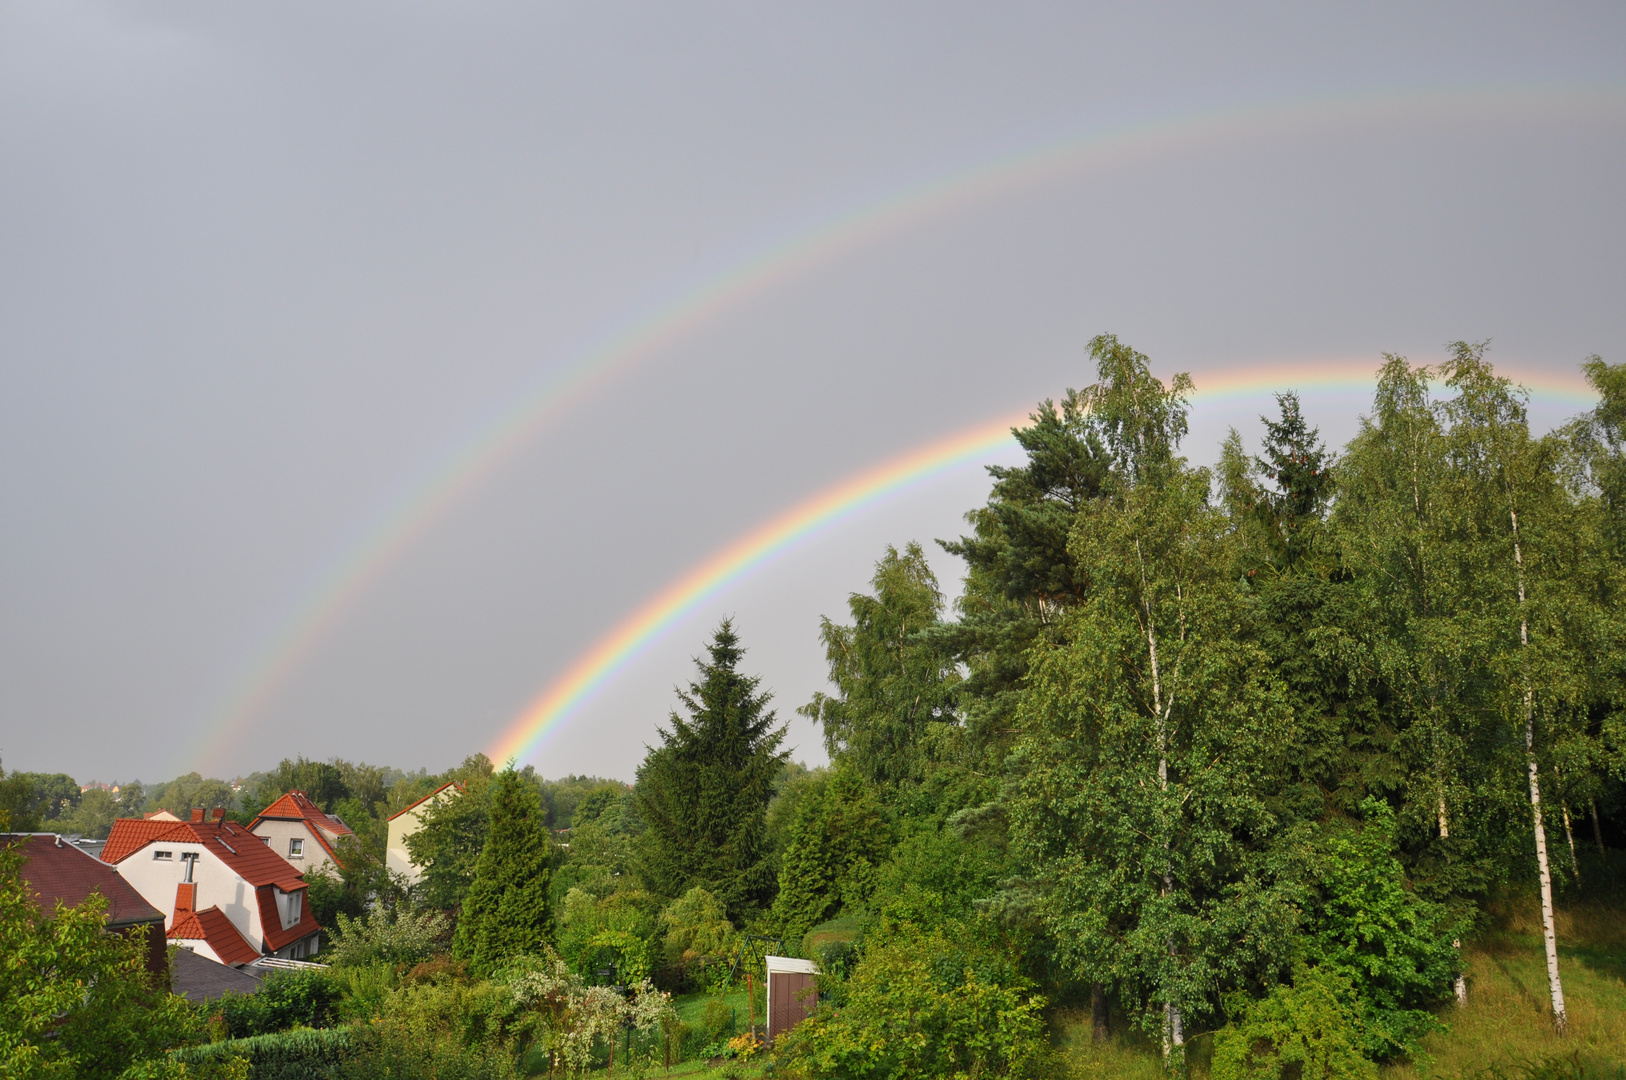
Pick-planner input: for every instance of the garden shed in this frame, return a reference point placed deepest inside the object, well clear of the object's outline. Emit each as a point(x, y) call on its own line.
point(792, 993)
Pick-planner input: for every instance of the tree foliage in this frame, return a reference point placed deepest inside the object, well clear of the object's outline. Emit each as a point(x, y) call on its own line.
point(505, 913)
point(703, 793)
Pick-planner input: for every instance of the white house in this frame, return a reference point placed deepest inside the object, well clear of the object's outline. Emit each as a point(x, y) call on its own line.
point(405, 822)
point(228, 895)
point(297, 829)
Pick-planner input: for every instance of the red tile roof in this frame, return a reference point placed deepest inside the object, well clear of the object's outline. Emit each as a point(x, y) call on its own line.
point(297, 806)
point(271, 922)
point(56, 870)
point(130, 835)
point(245, 853)
point(426, 798)
point(211, 926)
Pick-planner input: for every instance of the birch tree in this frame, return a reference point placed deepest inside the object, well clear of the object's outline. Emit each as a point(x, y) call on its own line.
point(1148, 732)
point(1512, 513)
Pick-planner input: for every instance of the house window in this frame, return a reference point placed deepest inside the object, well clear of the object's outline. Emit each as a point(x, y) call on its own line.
point(163, 855)
point(296, 849)
point(190, 858)
point(296, 903)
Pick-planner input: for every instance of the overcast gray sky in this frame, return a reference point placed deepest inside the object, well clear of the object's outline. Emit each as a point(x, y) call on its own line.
point(264, 267)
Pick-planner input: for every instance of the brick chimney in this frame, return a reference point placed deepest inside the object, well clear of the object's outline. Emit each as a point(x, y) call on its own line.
point(219, 812)
point(197, 815)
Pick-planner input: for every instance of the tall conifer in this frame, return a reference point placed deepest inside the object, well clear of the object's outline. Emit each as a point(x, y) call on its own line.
point(506, 911)
point(703, 793)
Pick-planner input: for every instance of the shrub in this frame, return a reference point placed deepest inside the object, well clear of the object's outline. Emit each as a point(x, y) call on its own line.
point(917, 1005)
point(716, 1024)
point(366, 990)
point(441, 1030)
point(285, 1055)
point(1311, 1030)
point(375, 938)
point(1391, 944)
point(695, 926)
point(617, 932)
point(566, 1018)
point(286, 999)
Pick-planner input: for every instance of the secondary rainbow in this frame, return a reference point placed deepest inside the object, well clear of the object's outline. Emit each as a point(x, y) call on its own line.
point(429, 492)
point(612, 653)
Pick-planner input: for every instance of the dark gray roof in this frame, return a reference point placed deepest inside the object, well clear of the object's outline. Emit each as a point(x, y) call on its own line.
point(198, 978)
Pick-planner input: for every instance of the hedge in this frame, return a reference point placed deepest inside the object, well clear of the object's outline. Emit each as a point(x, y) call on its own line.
point(303, 1054)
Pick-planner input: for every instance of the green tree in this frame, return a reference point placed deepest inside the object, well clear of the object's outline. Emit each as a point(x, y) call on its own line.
point(695, 927)
point(837, 841)
point(453, 834)
point(76, 1001)
point(1153, 732)
point(1519, 546)
point(54, 794)
point(1020, 573)
point(703, 792)
point(896, 684)
point(17, 812)
point(505, 913)
point(185, 793)
point(94, 815)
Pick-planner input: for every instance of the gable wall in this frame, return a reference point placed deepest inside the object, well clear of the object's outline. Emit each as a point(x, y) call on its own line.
point(218, 885)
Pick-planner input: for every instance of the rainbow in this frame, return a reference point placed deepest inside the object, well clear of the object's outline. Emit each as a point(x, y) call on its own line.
point(427, 494)
point(619, 648)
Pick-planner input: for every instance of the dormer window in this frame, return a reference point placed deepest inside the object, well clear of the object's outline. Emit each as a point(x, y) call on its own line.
point(290, 906)
point(163, 856)
point(296, 848)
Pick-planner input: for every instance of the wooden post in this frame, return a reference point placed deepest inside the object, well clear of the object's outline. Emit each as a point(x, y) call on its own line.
point(751, 1001)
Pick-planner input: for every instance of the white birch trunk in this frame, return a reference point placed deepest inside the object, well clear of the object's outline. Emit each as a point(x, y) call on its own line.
point(1173, 1033)
point(1543, 873)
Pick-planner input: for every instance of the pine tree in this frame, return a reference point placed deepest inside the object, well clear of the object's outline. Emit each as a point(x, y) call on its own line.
point(703, 793)
point(1020, 575)
point(506, 911)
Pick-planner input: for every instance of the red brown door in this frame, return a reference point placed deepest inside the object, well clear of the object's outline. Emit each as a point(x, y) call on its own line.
point(793, 995)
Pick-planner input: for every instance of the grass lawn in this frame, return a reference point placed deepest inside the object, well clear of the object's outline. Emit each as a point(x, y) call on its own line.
point(1507, 1024)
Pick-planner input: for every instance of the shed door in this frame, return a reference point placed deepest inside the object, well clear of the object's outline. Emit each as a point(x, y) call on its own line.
point(791, 997)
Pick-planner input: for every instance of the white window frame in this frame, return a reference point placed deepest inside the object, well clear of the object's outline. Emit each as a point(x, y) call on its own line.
point(296, 847)
point(163, 856)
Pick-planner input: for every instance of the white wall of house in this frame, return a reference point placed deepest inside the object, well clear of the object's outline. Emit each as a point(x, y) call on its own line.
point(396, 856)
point(279, 834)
point(199, 946)
point(218, 885)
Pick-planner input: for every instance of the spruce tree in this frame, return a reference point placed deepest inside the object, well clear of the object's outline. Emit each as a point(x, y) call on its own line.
point(506, 911)
point(703, 793)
